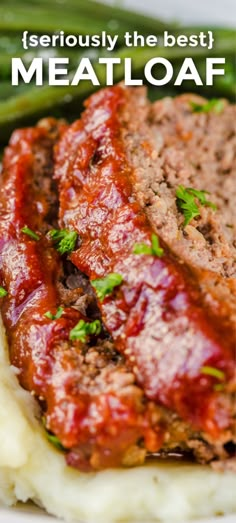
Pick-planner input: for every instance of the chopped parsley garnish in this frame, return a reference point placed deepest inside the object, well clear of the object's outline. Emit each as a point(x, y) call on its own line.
point(215, 104)
point(51, 437)
point(105, 286)
point(200, 195)
point(56, 316)
point(64, 239)
point(3, 292)
point(55, 441)
point(155, 249)
point(30, 233)
point(214, 372)
point(84, 329)
point(219, 387)
point(142, 248)
point(186, 197)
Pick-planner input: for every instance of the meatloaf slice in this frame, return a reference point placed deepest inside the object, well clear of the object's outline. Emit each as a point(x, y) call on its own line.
point(88, 397)
point(179, 343)
point(176, 145)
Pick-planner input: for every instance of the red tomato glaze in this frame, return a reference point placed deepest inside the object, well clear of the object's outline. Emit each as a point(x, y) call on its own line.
point(97, 424)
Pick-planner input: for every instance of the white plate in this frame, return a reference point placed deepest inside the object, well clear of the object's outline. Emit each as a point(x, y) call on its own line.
point(202, 11)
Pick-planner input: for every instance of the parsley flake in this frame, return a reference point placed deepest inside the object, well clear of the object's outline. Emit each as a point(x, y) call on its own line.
point(56, 316)
point(214, 372)
point(64, 239)
point(51, 437)
point(186, 203)
point(3, 292)
point(30, 233)
point(215, 104)
point(84, 329)
point(219, 387)
point(142, 248)
point(200, 195)
point(105, 286)
point(55, 441)
point(155, 249)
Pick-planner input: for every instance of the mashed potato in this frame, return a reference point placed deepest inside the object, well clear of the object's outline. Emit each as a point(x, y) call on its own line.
point(30, 468)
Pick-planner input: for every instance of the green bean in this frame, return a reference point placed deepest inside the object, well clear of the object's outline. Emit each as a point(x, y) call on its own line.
point(112, 17)
point(10, 45)
point(47, 20)
point(8, 91)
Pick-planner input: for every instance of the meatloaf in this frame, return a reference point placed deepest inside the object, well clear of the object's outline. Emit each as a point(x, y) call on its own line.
point(167, 311)
point(156, 377)
point(90, 403)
